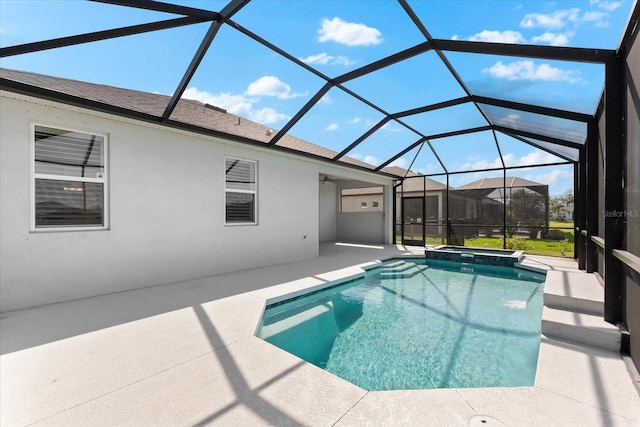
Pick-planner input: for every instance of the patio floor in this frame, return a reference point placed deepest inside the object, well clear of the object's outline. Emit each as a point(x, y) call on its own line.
point(184, 354)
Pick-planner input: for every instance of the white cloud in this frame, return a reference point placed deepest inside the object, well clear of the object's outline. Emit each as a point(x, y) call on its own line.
point(321, 58)
point(560, 18)
point(558, 178)
point(354, 121)
point(390, 128)
point(326, 59)
point(332, 127)
point(343, 60)
point(551, 21)
point(537, 157)
point(527, 70)
point(239, 105)
point(227, 101)
point(326, 99)
point(366, 158)
point(554, 39)
point(532, 158)
point(267, 115)
point(509, 159)
point(609, 6)
point(271, 86)
point(348, 33)
point(474, 164)
point(400, 162)
point(510, 119)
point(599, 19)
point(497, 37)
point(371, 160)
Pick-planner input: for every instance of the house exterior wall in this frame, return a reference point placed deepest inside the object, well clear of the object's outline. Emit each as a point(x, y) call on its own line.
point(167, 210)
point(328, 211)
point(357, 227)
point(372, 225)
point(353, 203)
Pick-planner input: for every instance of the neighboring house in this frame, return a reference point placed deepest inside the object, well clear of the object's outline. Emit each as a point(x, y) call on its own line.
point(474, 209)
point(108, 198)
point(484, 203)
point(565, 213)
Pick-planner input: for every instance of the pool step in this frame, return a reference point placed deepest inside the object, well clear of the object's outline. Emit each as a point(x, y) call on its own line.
point(579, 292)
point(401, 270)
point(580, 328)
point(574, 311)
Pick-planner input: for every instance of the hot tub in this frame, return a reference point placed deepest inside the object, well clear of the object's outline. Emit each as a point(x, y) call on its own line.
point(478, 256)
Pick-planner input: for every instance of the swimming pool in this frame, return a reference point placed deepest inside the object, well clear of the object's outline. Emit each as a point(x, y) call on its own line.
point(418, 324)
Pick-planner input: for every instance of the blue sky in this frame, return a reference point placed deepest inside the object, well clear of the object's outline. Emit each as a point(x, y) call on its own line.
point(336, 37)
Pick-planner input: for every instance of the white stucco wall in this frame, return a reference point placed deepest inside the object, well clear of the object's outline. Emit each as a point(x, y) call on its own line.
point(328, 211)
point(367, 226)
point(361, 227)
point(166, 210)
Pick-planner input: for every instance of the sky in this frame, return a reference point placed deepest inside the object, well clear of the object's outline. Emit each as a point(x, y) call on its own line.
point(337, 37)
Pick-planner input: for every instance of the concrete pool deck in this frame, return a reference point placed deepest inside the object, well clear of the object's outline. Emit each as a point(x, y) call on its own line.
point(185, 354)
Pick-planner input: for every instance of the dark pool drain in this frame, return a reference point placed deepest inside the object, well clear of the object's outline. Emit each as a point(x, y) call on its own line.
point(485, 421)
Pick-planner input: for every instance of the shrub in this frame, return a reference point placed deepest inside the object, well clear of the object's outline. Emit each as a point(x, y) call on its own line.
point(555, 234)
point(518, 244)
point(564, 247)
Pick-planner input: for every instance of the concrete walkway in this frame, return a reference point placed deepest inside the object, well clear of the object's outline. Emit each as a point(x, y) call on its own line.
point(185, 354)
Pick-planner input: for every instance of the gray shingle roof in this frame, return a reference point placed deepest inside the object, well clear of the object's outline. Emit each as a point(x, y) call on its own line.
point(417, 184)
point(187, 111)
point(487, 183)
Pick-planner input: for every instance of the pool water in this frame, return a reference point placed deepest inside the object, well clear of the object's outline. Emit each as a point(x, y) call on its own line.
point(418, 324)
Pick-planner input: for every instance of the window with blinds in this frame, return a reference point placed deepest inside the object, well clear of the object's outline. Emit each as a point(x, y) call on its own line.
point(68, 179)
point(240, 191)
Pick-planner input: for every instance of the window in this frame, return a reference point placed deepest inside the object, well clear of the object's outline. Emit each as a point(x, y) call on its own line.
point(363, 205)
point(69, 179)
point(375, 204)
point(240, 191)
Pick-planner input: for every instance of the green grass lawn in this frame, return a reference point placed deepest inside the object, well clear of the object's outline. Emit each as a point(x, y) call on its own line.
point(553, 246)
point(533, 246)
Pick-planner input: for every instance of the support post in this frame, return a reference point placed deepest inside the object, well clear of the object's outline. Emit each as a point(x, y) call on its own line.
point(504, 208)
point(614, 225)
point(592, 196)
point(448, 226)
point(579, 204)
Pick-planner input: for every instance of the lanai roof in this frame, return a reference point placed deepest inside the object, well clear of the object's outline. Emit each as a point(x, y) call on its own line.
point(448, 98)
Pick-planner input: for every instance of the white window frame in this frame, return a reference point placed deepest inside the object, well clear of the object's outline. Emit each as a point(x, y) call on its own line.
point(233, 190)
point(33, 176)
